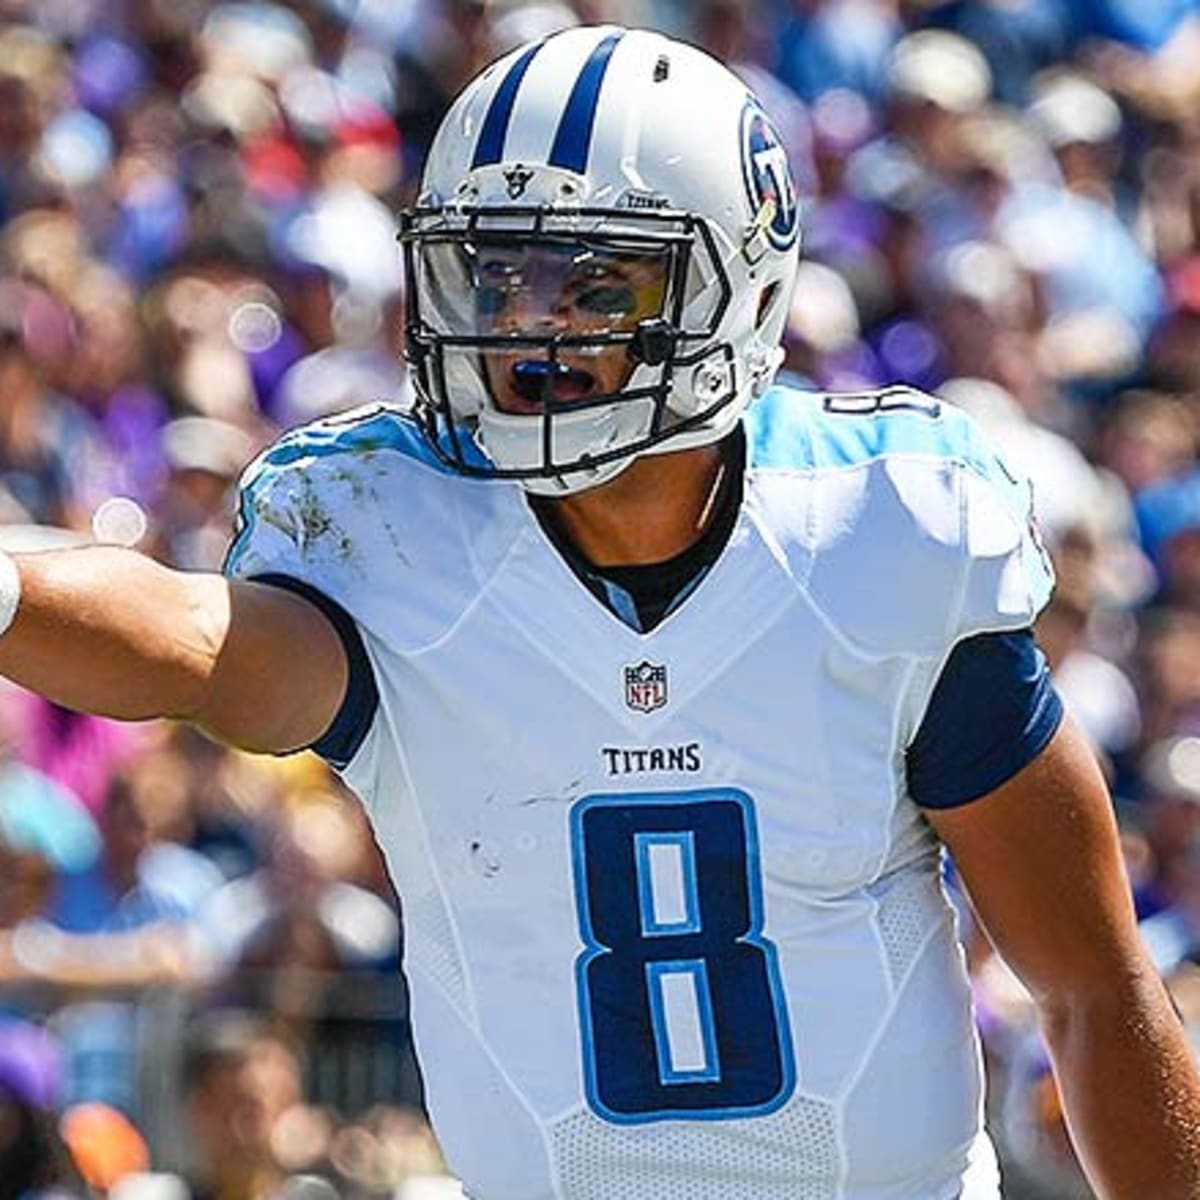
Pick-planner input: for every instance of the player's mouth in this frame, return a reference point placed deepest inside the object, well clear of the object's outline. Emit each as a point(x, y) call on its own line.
point(533, 379)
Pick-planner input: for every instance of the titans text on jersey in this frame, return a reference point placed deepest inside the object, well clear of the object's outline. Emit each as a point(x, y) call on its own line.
point(644, 760)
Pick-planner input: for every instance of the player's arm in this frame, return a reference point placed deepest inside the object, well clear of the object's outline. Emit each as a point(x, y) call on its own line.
point(1040, 858)
point(112, 632)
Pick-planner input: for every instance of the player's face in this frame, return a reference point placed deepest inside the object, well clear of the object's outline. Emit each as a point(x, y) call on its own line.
point(568, 289)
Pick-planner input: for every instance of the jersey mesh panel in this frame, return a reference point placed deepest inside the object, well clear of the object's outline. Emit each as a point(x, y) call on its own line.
point(429, 944)
point(908, 914)
point(733, 1160)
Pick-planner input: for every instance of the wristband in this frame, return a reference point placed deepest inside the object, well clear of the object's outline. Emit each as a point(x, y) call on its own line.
point(10, 591)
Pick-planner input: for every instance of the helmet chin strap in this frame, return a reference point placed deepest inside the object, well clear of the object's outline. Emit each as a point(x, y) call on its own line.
point(654, 342)
point(761, 363)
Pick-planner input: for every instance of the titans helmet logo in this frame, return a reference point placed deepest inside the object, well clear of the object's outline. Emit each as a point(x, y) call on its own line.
point(769, 177)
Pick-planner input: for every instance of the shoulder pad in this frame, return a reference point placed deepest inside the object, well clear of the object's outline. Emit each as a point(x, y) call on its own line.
point(360, 508)
point(908, 529)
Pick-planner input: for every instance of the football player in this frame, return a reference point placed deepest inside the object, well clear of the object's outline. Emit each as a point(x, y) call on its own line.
point(665, 688)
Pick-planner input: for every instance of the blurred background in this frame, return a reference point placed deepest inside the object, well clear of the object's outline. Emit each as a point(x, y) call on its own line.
point(198, 949)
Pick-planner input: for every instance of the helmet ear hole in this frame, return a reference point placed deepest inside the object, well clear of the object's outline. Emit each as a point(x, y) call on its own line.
point(766, 302)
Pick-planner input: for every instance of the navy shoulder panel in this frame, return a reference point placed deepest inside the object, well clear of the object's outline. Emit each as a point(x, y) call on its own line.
point(992, 712)
point(349, 728)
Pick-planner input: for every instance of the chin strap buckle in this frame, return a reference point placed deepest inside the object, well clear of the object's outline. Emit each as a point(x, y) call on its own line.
point(653, 342)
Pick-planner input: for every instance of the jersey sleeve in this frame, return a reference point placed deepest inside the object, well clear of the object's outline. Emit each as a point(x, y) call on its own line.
point(289, 525)
point(282, 513)
point(986, 704)
point(993, 711)
point(346, 733)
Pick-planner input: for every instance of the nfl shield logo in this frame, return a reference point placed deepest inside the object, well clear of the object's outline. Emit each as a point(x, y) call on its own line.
point(645, 686)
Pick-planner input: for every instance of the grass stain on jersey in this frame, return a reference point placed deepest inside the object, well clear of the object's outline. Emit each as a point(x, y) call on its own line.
point(352, 480)
point(267, 513)
point(317, 524)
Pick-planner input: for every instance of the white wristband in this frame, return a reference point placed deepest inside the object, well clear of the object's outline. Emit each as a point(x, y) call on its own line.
point(10, 591)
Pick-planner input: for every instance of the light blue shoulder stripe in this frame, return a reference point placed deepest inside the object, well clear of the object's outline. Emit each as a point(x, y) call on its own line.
point(381, 429)
point(789, 429)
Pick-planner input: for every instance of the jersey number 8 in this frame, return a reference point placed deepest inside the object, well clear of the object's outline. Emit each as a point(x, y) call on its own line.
point(681, 1005)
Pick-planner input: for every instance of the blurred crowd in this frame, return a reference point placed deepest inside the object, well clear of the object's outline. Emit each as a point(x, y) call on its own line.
point(197, 251)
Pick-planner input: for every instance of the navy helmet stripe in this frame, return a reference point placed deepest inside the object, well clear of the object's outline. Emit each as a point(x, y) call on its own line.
point(490, 147)
point(573, 139)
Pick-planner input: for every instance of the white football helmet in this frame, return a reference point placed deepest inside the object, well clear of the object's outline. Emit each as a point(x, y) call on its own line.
point(600, 260)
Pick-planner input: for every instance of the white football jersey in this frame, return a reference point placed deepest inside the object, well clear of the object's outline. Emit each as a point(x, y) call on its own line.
point(674, 929)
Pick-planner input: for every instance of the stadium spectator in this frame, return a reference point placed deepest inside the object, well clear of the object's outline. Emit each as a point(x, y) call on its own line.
point(34, 1162)
point(44, 835)
point(105, 1146)
point(242, 1083)
point(287, 932)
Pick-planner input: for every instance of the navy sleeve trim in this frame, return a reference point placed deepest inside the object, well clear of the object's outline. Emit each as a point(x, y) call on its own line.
point(992, 712)
point(349, 729)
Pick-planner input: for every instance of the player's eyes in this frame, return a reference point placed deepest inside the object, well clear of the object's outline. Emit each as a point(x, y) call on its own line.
point(589, 286)
point(495, 284)
point(613, 299)
point(490, 300)
point(498, 273)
